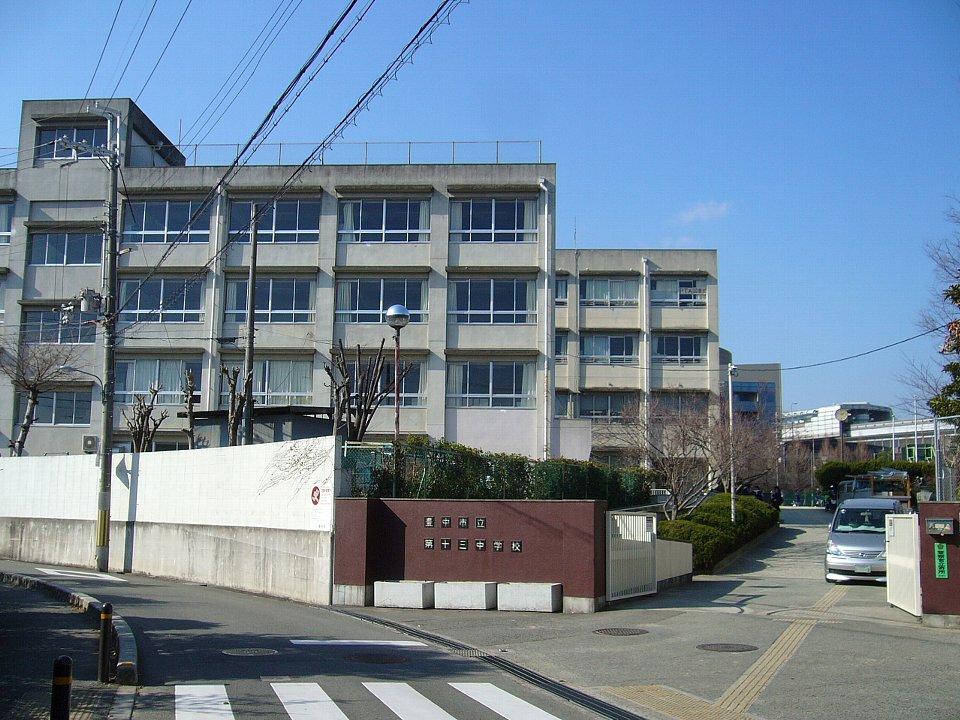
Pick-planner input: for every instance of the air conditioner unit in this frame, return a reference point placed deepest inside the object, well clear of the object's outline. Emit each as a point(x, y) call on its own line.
point(90, 443)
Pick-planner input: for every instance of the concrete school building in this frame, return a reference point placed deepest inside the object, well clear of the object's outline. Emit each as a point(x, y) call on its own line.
point(516, 346)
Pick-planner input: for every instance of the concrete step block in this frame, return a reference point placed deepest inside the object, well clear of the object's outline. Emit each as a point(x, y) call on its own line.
point(465, 595)
point(403, 594)
point(530, 597)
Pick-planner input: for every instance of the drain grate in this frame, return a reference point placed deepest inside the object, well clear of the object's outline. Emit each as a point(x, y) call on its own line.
point(249, 652)
point(375, 658)
point(621, 632)
point(727, 647)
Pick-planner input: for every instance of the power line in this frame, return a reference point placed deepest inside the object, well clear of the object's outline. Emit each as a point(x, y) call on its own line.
point(164, 51)
point(132, 52)
point(86, 93)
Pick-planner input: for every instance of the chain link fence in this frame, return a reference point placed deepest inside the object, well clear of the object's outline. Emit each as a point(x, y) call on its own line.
point(946, 457)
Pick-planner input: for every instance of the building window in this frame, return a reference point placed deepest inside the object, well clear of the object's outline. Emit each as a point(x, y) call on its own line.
point(383, 220)
point(678, 292)
point(164, 300)
point(49, 146)
point(3, 289)
point(126, 446)
point(560, 347)
point(66, 248)
point(366, 300)
point(679, 403)
point(58, 328)
point(137, 377)
point(279, 300)
point(561, 405)
point(606, 405)
point(57, 407)
point(608, 349)
point(678, 348)
point(493, 220)
point(285, 221)
point(495, 301)
point(163, 221)
point(609, 292)
point(6, 222)
point(491, 384)
point(278, 382)
point(410, 386)
point(560, 286)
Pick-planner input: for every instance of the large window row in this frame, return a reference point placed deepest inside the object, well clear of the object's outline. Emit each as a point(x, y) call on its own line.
point(492, 300)
point(679, 348)
point(678, 292)
point(411, 389)
point(383, 220)
point(56, 407)
point(608, 349)
point(493, 220)
point(491, 384)
point(366, 300)
point(163, 300)
point(279, 300)
point(164, 221)
point(58, 328)
point(279, 382)
point(284, 221)
point(66, 248)
point(50, 147)
point(168, 375)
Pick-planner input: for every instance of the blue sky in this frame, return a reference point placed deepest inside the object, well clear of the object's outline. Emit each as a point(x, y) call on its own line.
point(813, 144)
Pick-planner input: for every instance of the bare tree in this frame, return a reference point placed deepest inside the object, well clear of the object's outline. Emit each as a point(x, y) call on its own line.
point(189, 388)
point(797, 467)
point(670, 439)
point(235, 401)
point(141, 422)
point(33, 369)
point(755, 444)
point(357, 396)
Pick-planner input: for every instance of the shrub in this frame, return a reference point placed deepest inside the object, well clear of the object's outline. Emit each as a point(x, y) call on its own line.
point(710, 544)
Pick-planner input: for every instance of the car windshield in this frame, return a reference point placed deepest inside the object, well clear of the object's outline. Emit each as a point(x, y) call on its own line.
point(854, 519)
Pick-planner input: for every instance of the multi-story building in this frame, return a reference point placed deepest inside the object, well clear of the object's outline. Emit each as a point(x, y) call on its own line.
point(468, 248)
point(633, 326)
point(756, 388)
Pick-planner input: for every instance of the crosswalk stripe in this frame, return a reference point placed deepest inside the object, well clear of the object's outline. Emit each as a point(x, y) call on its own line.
point(501, 702)
point(389, 643)
point(202, 702)
point(406, 702)
point(307, 701)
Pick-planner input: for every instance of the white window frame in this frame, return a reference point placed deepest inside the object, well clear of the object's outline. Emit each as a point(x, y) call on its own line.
point(132, 312)
point(262, 394)
point(488, 399)
point(6, 221)
point(561, 340)
point(352, 316)
point(77, 399)
point(407, 399)
point(266, 224)
point(453, 315)
point(561, 288)
point(88, 240)
point(609, 358)
point(268, 314)
point(472, 234)
point(689, 292)
point(680, 358)
point(382, 234)
point(609, 415)
point(81, 325)
point(615, 286)
point(60, 152)
point(166, 396)
point(195, 232)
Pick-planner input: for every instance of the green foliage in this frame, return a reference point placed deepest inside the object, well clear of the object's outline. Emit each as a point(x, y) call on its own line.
point(441, 469)
point(834, 471)
point(709, 529)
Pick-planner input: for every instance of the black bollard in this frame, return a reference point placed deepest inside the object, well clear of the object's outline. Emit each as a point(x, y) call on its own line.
point(60, 696)
point(106, 626)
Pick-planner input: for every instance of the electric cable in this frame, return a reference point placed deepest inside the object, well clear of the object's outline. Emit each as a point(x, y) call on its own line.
point(86, 93)
point(164, 51)
point(136, 45)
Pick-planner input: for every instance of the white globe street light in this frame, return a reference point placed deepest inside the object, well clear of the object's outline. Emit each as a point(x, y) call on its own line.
point(397, 317)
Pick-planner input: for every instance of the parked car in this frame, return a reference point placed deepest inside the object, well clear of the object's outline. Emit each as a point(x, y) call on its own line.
point(855, 544)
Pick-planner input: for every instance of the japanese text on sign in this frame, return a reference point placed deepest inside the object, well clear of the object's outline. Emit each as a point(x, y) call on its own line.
point(940, 560)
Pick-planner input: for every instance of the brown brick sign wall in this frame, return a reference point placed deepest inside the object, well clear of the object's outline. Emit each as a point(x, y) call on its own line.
point(941, 596)
point(484, 540)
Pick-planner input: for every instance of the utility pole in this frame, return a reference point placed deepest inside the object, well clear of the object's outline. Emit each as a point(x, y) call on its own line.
point(731, 372)
point(251, 309)
point(108, 306)
point(916, 434)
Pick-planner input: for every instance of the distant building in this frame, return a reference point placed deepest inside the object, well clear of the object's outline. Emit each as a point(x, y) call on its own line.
point(756, 387)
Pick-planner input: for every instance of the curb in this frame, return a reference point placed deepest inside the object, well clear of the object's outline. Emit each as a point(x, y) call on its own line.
point(578, 697)
point(127, 665)
point(743, 549)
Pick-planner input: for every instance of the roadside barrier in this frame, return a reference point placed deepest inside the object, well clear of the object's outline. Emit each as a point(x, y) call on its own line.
point(106, 633)
point(60, 693)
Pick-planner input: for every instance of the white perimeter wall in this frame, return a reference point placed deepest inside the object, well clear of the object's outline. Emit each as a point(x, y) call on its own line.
point(674, 559)
point(239, 517)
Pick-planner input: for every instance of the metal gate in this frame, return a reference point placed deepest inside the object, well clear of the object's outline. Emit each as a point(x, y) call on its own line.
point(903, 562)
point(631, 554)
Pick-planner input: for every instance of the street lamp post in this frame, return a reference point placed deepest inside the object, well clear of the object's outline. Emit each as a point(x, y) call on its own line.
point(731, 373)
point(397, 317)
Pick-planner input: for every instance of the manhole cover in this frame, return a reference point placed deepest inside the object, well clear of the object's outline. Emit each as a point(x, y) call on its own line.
point(376, 658)
point(249, 652)
point(621, 632)
point(727, 647)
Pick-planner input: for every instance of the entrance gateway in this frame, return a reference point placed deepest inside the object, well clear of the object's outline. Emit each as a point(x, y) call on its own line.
point(631, 555)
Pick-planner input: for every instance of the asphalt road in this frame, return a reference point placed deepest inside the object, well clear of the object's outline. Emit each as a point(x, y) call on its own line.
point(208, 653)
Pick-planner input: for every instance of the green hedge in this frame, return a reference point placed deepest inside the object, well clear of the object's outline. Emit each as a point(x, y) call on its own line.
point(709, 529)
point(441, 469)
point(834, 471)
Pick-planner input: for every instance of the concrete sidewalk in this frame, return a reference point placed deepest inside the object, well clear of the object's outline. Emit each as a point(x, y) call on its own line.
point(821, 651)
point(34, 630)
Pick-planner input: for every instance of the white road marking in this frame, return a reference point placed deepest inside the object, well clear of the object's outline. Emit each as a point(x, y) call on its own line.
point(390, 643)
point(202, 702)
point(501, 702)
point(307, 701)
point(406, 702)
point(79, 574)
